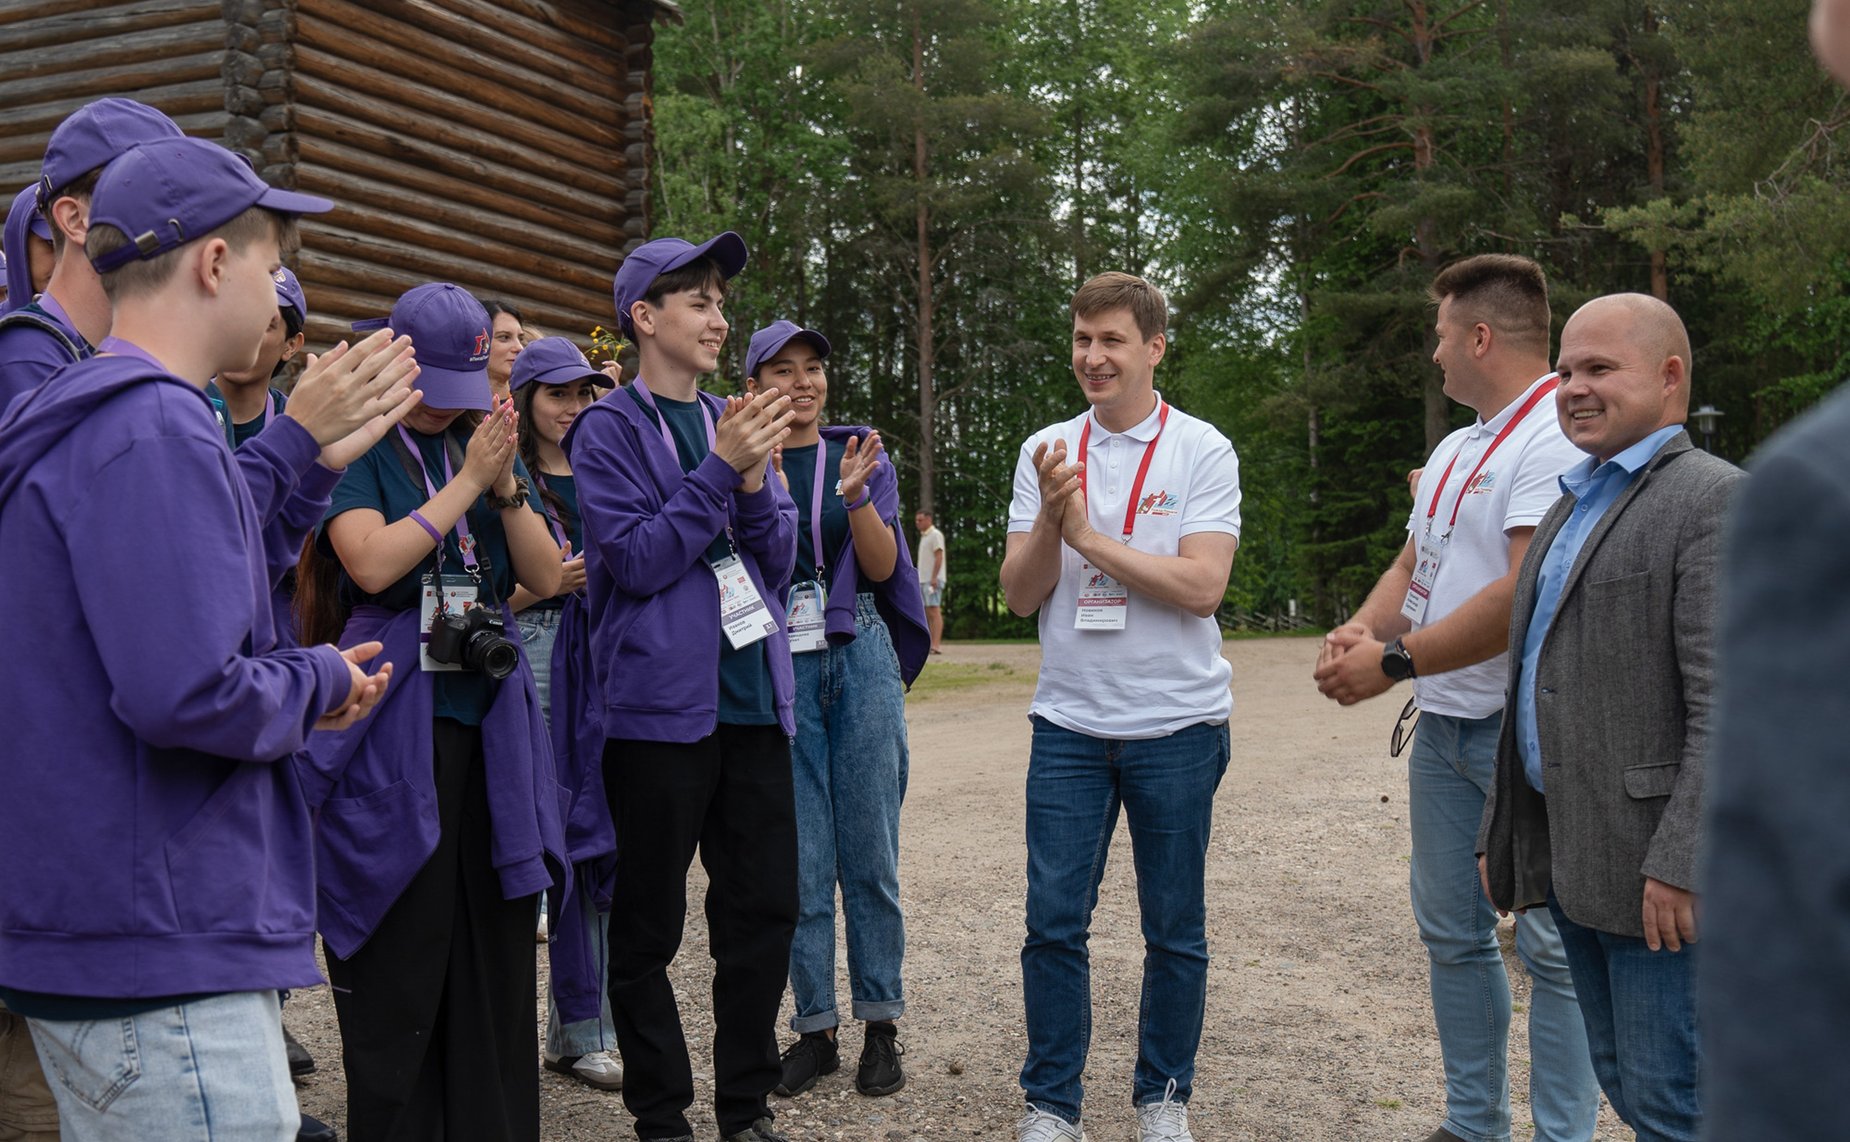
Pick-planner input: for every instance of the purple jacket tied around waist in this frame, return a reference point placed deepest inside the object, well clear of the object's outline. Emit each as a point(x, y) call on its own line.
point(375, 795)
point(655, 630)
point(154, 836)
point(897, 597)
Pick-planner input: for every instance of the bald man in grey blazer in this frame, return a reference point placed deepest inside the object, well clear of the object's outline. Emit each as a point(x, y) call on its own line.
point(1596, 808)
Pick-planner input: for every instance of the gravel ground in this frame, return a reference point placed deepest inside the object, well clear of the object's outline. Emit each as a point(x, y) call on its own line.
point(1318, 1025)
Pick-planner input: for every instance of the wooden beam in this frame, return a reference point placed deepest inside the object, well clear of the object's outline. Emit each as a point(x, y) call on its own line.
point(89, 22)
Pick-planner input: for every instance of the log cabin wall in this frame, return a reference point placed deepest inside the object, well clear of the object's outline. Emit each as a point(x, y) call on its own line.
point(504, 145)
point(57, 55)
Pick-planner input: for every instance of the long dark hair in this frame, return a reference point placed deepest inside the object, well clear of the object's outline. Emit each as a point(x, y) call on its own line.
point(528, 443)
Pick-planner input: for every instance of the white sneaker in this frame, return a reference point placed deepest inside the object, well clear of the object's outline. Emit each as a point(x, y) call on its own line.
point(598, 1069)
point(1038, 1125)
point(1165, 1121)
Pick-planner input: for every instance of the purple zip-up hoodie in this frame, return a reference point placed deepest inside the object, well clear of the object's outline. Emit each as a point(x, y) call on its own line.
point(897, 598)
point(655, 632)
point(152, 843)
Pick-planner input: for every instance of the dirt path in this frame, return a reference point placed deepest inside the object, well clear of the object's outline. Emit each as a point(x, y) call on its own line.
point(1317, 1025)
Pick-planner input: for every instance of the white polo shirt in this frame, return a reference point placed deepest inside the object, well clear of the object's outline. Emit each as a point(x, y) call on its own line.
point(1164, 671)
point(1514, 488)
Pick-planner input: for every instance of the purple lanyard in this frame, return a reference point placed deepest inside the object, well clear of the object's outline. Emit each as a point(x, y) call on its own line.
point(121, 348)
point(815, 506)
point(706, 414)
point(462, 521)
point(552, 519)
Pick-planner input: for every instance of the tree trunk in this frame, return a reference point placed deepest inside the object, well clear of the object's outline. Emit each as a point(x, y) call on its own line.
point(1654, 151)
point(928, 401)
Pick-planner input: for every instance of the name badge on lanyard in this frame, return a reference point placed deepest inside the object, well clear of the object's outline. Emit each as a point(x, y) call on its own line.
point(1431, 547)
point(742, 613)
point(1105, 603)
point(808, 621)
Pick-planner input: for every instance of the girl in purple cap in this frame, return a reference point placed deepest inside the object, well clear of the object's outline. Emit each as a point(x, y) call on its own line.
point(440, 822)
point(552, 383)
point(858, 637)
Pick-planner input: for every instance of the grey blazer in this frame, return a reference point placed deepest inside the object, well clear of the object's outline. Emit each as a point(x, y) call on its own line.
point(1626, 679)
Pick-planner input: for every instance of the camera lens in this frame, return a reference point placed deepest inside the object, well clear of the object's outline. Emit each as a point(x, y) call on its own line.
point(492, 655)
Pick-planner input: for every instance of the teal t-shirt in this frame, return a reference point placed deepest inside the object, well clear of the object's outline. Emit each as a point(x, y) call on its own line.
point(236, 434)
point(380, 480)
point(800, 470)
point(557, 520)
point(745, 697)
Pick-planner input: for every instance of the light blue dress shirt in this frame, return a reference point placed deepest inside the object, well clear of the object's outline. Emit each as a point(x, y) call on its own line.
point(1596, 487)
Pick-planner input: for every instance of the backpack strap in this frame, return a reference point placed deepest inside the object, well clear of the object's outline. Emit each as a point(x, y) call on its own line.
point(33, 317)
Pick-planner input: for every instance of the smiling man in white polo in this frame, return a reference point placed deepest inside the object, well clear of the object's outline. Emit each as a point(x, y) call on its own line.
point(1121, 534)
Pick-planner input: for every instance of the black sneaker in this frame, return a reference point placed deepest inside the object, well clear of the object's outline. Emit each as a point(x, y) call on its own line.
point(300, 1061)
point(880, 1072)
point(806, 1060)
point(315, 1130)
point(760, 1131)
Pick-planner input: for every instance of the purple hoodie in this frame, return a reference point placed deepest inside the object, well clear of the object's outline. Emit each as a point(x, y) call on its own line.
point(375, 793)
point(152, 846)
point(897, 598)
point(655, 632)
point(18, 261)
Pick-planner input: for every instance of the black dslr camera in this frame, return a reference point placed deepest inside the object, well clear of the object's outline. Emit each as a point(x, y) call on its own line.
point(473, 640)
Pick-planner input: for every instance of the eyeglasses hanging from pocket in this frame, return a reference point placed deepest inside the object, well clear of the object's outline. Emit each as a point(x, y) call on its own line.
point(1403, 729)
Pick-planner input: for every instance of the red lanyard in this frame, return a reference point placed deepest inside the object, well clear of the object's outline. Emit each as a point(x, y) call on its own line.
point(1143, 468)
point(1535, 398)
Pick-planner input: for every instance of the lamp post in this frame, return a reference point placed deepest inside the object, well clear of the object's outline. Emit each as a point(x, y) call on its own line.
point(1705, 418)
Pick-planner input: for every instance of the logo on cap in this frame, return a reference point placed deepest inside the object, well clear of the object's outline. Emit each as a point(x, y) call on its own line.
point(481, 344)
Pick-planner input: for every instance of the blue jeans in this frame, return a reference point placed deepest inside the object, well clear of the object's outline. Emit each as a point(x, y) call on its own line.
point(849, 762)
point(1076, 784)
point(584, 1036)
point(210, 1070)
point(1640, 1009)
point(1449, 771)
point(539, 629)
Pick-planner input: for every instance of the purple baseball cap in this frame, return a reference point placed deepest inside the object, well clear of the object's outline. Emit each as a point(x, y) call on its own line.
point(767, 341)
point(449, 332)
point(93, 136)
point(289, 293)
point(166, 194)
point(22, 218)
point(553, 361)
point(653, 259)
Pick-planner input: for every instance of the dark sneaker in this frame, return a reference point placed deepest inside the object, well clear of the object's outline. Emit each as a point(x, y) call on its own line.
point(760, 1131)
point(880, 1072)
point(315, 1130)
point(806, 1060)
point(300, 1061)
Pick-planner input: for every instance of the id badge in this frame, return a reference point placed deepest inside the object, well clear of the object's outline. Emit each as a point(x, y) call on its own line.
point(459, 594)
point(808, 618)
point(1104, 603)
point(1425, 571)
point(742, 612)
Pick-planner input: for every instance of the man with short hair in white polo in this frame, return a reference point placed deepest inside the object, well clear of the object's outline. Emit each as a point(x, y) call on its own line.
point(1440, 615)
point(1121, 534)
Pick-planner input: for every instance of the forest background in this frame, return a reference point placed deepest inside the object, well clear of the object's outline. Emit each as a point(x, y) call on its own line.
point(927, 181)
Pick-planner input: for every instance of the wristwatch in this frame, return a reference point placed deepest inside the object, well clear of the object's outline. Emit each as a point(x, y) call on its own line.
point(517, 499)
point(1396, 663)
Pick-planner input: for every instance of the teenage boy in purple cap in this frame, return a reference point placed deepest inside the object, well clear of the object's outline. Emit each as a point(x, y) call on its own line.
point(28, 257)
point(688, 552)
point(250, 402)
point(160, 875)
point(439, 818)
point(72, 314)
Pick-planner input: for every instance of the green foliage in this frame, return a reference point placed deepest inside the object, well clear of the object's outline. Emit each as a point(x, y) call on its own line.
point(1293, 172)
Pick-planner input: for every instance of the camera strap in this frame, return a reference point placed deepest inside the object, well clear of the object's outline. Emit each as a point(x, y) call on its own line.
point(414, 466)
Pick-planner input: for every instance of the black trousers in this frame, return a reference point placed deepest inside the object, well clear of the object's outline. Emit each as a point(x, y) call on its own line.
point(436, 1008)
point(729, 795)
